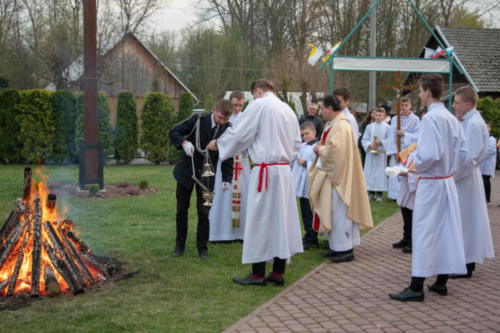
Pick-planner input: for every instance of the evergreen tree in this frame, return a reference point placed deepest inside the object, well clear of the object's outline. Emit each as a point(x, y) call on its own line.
point(126, 134)
point(185, 106)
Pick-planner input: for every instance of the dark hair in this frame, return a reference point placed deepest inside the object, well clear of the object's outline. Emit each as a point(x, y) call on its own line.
point(386, 108)
point(307, 125)
point(236, 95)
point(368, 117)
point(432, 82)
point(224, 107)
point(341, 92)
point(263, 84)
point(406, 99)
point(333, 102)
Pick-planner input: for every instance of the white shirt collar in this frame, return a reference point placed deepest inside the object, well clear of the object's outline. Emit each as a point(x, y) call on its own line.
point(213, 120)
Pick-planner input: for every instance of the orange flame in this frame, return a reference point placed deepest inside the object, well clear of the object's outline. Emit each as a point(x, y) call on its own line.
point(56, 217)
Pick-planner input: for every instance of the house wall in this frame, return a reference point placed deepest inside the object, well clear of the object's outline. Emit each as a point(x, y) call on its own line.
point(130, 67)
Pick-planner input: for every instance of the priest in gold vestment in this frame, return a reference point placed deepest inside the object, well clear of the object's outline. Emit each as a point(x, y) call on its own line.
point(337, 189)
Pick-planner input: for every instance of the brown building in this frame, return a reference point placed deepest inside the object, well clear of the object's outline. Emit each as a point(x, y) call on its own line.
point(130, 66)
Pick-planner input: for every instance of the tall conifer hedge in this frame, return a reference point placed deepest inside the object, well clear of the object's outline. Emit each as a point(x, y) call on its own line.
point(10, 147)
point(36, 124)
point(185, 106)
point(64, 111)
point(156, 118)
point(126, 133)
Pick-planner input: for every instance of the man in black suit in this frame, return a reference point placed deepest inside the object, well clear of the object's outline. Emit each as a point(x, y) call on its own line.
point(193, 135)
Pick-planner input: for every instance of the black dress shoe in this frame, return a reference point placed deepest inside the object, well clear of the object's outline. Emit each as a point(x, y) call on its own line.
point(408, 295)
point(203, 254)
point(460, 276)
point(401, 244)
point(328, 254)
point(179, 250)
point(250, 281)
point(310, 245)
point(278, 280)
point(342, 257)
point(438, 288)
point(407, 249)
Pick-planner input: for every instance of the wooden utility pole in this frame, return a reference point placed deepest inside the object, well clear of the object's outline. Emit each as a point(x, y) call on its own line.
point(399, 89)
point(91, 157)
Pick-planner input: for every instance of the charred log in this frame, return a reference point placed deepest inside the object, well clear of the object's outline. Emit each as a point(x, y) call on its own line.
point(20, 257)
point(3, 284)
point(37, 248)
point(59, 247)
point(87, 255)
point(63, 269)
point(27, 184)
point(71, 248)
point(11, 241)
point(13, 218)
point(51, 202)
point(52, 287)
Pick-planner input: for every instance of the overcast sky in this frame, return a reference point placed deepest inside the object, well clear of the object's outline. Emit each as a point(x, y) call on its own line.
point(178, 14)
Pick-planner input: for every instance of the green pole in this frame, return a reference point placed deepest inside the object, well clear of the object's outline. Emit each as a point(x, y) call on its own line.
point(352, 31)
point(450, 88)
point(331, 76)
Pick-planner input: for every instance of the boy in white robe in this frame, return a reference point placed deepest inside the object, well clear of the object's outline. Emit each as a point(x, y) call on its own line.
point(478, 244)
point(406, 193)
point(488, 165)
point(220, 216)
point(437, 240)
point(270, 131)
point(374, 139)
point(408, 133)
point(299, 175)
point(343, 96)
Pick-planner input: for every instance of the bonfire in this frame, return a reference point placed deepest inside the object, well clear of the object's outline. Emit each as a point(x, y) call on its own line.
point(40, 254)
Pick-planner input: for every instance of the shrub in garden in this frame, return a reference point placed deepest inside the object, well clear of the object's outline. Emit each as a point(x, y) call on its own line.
point(185, 107)
point(64, 111)
point(36, 124)
point(156, 121)
point(490, 110)
point(10, 148)
point(93, 189)
point(143, 184)
point(4, 82)
point(104, 126)
point(126, 133)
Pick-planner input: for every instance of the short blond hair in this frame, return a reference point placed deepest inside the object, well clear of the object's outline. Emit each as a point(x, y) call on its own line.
point(468, 94)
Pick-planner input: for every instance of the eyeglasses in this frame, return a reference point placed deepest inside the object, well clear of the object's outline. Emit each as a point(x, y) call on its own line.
point(237, 105)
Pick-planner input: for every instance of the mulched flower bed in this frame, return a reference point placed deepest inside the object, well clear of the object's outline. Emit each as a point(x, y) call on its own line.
point(124, 189)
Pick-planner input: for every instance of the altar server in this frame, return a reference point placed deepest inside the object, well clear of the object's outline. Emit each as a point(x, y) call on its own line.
point(437, 240)
point(478, 244)
point(270, 131)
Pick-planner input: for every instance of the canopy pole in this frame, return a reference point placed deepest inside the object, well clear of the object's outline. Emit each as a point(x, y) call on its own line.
point(450, 88)
point(331, 76)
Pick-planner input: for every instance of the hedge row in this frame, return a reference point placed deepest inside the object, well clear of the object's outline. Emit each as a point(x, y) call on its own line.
point(44, 126)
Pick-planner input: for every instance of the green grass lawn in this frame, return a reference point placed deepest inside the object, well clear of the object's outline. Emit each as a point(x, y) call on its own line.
point(168, 294)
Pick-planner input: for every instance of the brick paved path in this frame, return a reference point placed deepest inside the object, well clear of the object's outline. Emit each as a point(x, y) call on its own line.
point(353, 297)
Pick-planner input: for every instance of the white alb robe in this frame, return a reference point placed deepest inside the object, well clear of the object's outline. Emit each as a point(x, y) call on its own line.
point(375, 164)
point(488, 165)
point(220, 213)
point(410, 124)
point(270, 131)
point(478, 244)
point(352, 121)
point(437, 244)
point(299, 172)
point(406, 194)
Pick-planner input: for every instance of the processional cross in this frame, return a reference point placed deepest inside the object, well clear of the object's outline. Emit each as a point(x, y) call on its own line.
point(399, 89)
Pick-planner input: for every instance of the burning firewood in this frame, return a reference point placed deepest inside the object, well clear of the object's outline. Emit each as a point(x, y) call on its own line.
point(59, 261)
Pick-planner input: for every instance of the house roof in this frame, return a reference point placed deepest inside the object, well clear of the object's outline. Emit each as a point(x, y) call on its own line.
point(477, 52)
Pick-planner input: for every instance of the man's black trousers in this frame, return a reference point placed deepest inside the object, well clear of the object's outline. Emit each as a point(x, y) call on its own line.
point(183, 196)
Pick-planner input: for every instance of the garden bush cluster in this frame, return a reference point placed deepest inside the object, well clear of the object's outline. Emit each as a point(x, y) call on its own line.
point(44, 126)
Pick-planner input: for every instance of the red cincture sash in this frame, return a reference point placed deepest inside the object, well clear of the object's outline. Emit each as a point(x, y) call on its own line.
point(323, 137)
point(445, 177)
point(263, 166)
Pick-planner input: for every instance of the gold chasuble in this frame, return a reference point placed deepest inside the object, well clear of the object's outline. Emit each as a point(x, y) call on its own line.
point(340, 169)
